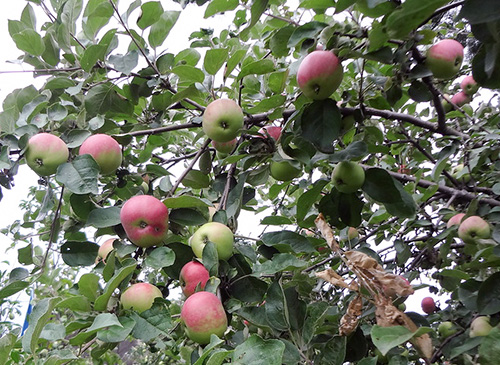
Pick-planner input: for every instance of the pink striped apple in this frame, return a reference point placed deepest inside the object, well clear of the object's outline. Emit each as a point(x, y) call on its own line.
point(455, 220)
point(203, 315)
point(469, 85)
point(444, 58)
point(193, 274)
point(140, 296)
point(45, 152)
point(319, 75)
point(105, 150)
point(145, 220)
point(270, 131)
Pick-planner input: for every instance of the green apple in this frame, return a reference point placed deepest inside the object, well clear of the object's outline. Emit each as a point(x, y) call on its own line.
point(348, 176)
point(473, 228)
point(225, 147)
point(446, 329)
point(352, 233)
point(214, 232)
point(45, 152)
point(105, 150)
point(222, 120)
point(193, 274)
point(444, 58)
point(319, 75)
point(480, 326)
point(140, 296)
point(106, 248)
point(284, 170)
point(203, 315)
point(469, 85)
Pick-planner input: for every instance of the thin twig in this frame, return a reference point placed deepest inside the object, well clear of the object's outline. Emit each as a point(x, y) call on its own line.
point(53, 229)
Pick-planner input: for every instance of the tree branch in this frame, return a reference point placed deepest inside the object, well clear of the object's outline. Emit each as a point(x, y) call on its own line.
point(149, 132)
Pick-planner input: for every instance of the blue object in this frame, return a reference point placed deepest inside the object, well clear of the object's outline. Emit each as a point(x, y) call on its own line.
point(28, 312)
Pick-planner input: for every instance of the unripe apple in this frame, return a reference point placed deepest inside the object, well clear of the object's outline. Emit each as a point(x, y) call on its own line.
point(474, 228)
point(225, 147)
point(428, 305)
point(284, 170)
point(45, 152)
point(193, 274)
point(140, 296)
point(455, 220)
point(145, 220)
point(319, 75)
point(444, 58)
point(270, 131)
point(469, 85)
point(105, 150)
point(348, 176)
point(214, 232)
point(480, 326)
point(222, 120)
point(460, 99)
point(446, 329)
point(203, 315)
point(105, 248)
point(352, 233)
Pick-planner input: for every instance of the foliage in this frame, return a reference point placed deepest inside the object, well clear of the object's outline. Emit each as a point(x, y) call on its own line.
point(301, 292)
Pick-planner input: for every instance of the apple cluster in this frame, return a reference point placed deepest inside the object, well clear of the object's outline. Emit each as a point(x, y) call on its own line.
point(46, 151)
point(472, 229)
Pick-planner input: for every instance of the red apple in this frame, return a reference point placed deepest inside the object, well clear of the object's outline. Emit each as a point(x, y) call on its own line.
point(193, 274)
point(225, 147)
point(319, 75)
point(105, 248)
point(222, 120)
point(444, 59)
point(428, 305)
point(214, 232)
point(474, 228)
point(203, 315)
point(455, 220)
point(469, 85)
point(145, 220)
point(140, 296)
point(460, 99)
point(45, 152)
point(270, 131)
point(105, 150)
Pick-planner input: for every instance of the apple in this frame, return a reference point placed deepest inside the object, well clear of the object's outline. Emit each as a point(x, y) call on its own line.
point(222, 120)
point(319, 75)
point(457, 173)
point(284, 170)
point(446, 329)
point(404, 170)
point(140, 296)
point(352, 233)
point(348, 176)
point(455, 220)
point(45, 152)
point(444, 58)
point(105, 248)
point(105, 151)
point(347, 122)
point(225, 147)
point(469, 85)
point(193, 274)
point(145, 220)
point(446, 105)
point(428, 305)
point(203, 315)
point(270, 131)
point(214, 232)
point(460, 99)
point(473, 228)
point(480, 326)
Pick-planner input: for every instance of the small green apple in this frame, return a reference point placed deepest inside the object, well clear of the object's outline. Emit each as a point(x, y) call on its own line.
point(222, 120)
point(480, 326)
point(284, 170)
point(140, 296)
point(455, 220)
point(469, 85)
point(214, 232)
point(446, 329)
point(348, 176)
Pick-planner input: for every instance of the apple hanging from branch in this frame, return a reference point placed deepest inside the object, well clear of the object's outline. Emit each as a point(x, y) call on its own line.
point(140, 296)
point(444, 58)
point(222, 120)
point(214, 232)
point(193, 274)
point(45, 152)
point(348, 176)
point(105, 151)
point(474, 228)
point(320, 74)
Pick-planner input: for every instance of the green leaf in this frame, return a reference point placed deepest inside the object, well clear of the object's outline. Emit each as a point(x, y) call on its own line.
point(101, 321)
point(257, 9)
point(117, 333)
point(42, 311)
point(101, 302)
point(321, 123)
point(256, 351)
point(13, 288)
point(480, 11)
point(77, 303)
point(150, 14)
point(125, 63)
point(334, 351)
point(355, 150)
point(160, 30)
point(152, 323)
point(488, 296)
point(214, 343)
point(76, 253)
point(286, 241)
point(411, 13)
point(465, 346)
point(276, 310)
point(234, 60)
point(280, 262)
point(53, 332)
point(104, 99)
point(30, 42)
point(259, 67)
point(186, 201)
point(489, 351)
point(275, 220)
point(189, 74)
point(386, 338)
point(104, 217)
point(279, 41)
point(7, 343)
point(196, 179)
point(210, 258)
point(187, 217)
point(91, 55)
point(220, 6)
point(88, 286)
point(214, 59)
point(486, 66)
point(309, 30)
point(96, 15)
point(160, 257)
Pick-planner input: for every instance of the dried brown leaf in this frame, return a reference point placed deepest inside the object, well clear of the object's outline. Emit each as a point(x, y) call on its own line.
point(349, 320)
point(327, 233)
point(333, 278)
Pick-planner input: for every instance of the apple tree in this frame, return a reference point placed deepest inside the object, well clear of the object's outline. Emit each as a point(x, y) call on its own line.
point(361, 137)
